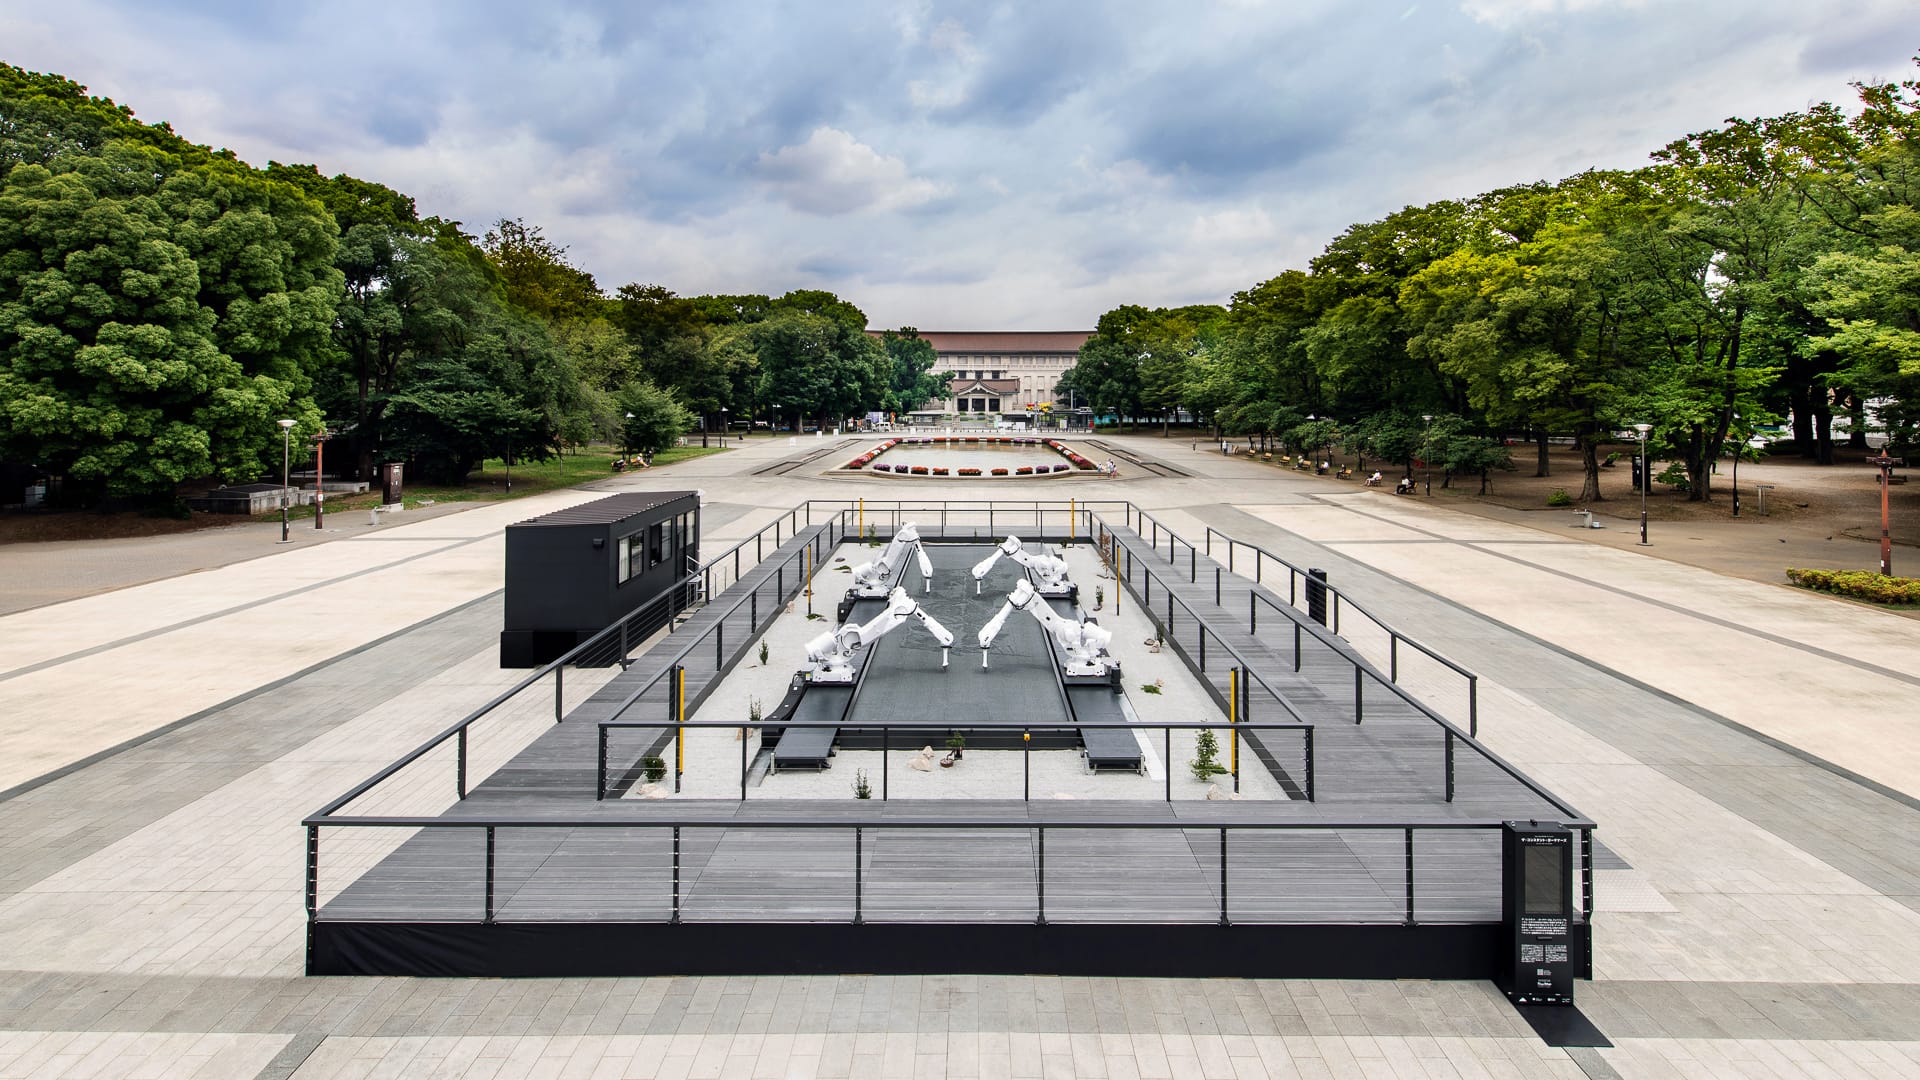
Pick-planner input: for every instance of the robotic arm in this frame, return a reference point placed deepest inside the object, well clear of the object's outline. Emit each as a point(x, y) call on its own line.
point(870, 579)
point(1050, 569)
point(831, 654)
point(1085, 642)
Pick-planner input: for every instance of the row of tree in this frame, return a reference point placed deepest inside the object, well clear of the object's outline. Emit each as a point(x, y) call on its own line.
point(1764, 269)
point(162, 305)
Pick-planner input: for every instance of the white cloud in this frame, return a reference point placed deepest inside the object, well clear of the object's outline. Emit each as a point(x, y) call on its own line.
point(1504, 13)
point(835, 173)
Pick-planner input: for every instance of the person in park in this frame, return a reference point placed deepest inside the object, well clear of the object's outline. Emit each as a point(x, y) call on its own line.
point(1405, 486)
point(1374, 480)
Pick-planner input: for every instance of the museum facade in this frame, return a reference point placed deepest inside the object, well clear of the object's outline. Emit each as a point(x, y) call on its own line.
point(998, 371)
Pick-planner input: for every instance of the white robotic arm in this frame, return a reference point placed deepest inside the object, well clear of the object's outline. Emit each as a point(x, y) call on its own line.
point(831, 654)
point(870, 579)
point(1085, 642)
point(1051, 570)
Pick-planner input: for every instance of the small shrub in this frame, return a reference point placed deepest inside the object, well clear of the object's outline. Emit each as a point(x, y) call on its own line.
point(1149, 688)
point(1860, 584)
point(1205, 749)
point(861, 788)
point(753, 710)
point(763, 654)
point(1559, 498)
point(656, 768)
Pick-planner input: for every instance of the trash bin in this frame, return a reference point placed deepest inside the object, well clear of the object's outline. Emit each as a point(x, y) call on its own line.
point(1317, 596)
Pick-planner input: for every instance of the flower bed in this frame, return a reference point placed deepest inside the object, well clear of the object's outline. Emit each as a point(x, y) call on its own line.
point(1859, 584)
point(866, 460)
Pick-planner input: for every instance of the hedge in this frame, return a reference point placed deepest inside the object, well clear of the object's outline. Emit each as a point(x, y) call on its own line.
point(1859, 584)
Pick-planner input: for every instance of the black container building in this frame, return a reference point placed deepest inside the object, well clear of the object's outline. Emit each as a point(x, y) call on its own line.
point(575, 572)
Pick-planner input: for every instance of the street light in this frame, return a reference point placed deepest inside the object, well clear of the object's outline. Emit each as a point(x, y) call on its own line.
point(320, 477)
point(723, 427)
point(1646, 479)
point(286, 460)
point(1739, 448)
point(1885, 464)
point(626, 440)
point(1426, 452)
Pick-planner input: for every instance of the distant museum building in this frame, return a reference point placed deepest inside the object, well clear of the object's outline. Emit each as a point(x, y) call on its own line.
point(1002, 370)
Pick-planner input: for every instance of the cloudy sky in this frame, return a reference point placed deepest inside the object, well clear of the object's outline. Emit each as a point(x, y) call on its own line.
point(949, 165)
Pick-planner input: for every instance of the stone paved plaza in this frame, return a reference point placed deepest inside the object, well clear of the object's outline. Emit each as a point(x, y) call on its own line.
point(1750, 752)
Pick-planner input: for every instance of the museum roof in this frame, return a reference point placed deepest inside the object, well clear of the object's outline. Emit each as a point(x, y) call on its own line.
point(611, 509)
point(1005, 341)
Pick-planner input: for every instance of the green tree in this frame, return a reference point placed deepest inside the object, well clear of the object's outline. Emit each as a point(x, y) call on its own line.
point(652, 418)
point(914, 383)
point(160, 317)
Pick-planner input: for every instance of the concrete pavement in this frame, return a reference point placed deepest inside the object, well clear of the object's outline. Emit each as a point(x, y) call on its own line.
point(1760, 912)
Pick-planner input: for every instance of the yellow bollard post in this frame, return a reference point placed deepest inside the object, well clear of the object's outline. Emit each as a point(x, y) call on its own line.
point(1233, 717)
point(861, 531)
point(680, 738)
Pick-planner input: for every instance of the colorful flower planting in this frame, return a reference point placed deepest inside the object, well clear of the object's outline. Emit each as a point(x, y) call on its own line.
point(866, 459)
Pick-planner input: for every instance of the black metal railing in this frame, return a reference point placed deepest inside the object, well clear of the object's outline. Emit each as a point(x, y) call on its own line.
point(827, 869)
point(610, 646)
point(1363, 670)
point(1339, 602)
point(675, 727)
point(1039, 519)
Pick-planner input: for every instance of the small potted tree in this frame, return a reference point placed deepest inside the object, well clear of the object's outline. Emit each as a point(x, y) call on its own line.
point(956, 749)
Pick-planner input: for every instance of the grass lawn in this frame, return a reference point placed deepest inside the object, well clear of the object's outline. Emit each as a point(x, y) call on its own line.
point(488, 482)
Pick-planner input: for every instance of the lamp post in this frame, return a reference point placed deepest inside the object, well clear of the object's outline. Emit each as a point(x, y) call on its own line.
point(1426, 452)
point(1885, 464)
point(506, 462)
point(1646, 479)
point(286, 463)
point(320, 478)
point(723, 427)
point(1739, 448)
point(626, 440)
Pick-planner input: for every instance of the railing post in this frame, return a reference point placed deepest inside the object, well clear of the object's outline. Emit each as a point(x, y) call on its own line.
point(1167, 750)
point(1473, 705)
point(488, 912)
point(1310, 797)
point(858, 879)
point(1203, 645)
point(675, 916)
point(1026, 766)
point(1358, 692)
point(1296, 646)
point(600, 772)
point(1393, 656)
point(559, 692)
point(1449, 764)
point(1216, 586)
point(1209, 541)
point(313, 872)
point(623, 640)
point(1223, 876)
point(1409, 877)
point(1586, 875)
point(719, 645)
point(1193, 564)
point(460, 766)
point(743, 763)
point(1040, 876)
point(885, 733)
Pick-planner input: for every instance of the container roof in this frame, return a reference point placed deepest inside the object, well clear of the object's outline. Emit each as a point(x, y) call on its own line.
point(611, 509)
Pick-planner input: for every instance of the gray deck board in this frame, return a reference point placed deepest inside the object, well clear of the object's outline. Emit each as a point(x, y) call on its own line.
point(571, 858)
